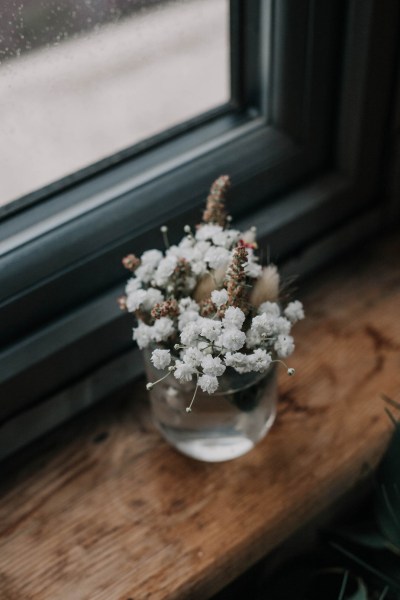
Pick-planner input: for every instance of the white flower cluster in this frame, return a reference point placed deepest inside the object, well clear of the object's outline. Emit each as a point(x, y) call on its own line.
point(208, 346)
point(210, 249)
point(207, 304)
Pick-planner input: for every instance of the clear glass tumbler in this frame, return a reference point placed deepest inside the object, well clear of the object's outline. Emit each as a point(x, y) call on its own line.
point(221, 426)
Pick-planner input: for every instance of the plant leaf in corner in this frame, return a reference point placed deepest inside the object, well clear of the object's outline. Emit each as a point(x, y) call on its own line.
point(366, 535)
point(387, 494)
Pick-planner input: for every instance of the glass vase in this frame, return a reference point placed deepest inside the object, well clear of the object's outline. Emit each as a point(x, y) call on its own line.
point(220, 426)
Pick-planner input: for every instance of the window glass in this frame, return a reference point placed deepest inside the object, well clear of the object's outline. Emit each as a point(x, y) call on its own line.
point(83, 79)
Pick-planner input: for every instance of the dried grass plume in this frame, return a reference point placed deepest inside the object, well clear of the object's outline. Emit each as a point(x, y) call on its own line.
point(266, 287)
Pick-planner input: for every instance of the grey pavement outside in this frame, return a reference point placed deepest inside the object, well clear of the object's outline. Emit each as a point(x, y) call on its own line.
point(65, 107)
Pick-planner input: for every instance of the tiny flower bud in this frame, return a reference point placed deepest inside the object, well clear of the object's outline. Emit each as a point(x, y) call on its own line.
point(176, 347)
point(291, 371)
point(122, 302)
point(131, 262)
point(188, 409)
point(253, 229)
point(229, 218)
point(187, 229)
point(164, 231)
point(149, 386)
point(171, 368)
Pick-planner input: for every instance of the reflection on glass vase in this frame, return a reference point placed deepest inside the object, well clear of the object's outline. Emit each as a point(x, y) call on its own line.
point(221, 426)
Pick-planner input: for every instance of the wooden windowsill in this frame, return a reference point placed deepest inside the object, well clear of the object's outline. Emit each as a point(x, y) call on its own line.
point(104, 510)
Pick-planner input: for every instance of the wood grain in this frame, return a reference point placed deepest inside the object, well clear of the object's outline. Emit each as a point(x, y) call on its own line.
point(105, 510)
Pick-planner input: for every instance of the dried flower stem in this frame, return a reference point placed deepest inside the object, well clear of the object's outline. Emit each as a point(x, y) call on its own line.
point(189, 408)
point(236, 279)
point(215, 207)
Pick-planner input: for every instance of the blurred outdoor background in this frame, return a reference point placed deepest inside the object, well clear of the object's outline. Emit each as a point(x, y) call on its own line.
point(83, 79)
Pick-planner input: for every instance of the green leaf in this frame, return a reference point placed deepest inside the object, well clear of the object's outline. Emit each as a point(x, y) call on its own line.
point(384, 593)
point(302, 582)
point(391, 402)
point(387, 495)
point(359, 591)
point(366, 535)
point(384, 566)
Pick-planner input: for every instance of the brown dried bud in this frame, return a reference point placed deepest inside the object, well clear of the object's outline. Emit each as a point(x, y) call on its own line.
point(207, 308)
point(122, 302)
point(168, 308)
point(179, 277)
point(131, 262)
point(182, 268)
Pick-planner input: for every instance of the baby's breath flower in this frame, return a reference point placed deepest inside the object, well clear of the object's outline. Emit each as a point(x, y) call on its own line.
point(183, 372)
point(234, 317)
point(252, 269)
point(212, 366)
point(162, 329)
point(153, 297)
point(188, 303)
point(227, 238)
point(192, 356)
point(238, 361)
point(253, 338)
point(270, 308)
point(135, 299)
point(219, 297)
point(190, 333)
point(186, 317)
point(294, 311)
point(161, 358)
point(208, 383)
point(142, 334)
point(206, 232)
point(231, 339)
point(133, 284)
point(145, 273)
point(151, 258)
point(165, 269)
point(284, 345)
point(204, 347)
point(260, 360)
point(217, 258)
point(264, 324)
point(210, 329)
point(282, 326)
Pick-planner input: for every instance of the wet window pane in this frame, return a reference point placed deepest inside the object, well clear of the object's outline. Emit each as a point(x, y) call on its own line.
point(83, 79)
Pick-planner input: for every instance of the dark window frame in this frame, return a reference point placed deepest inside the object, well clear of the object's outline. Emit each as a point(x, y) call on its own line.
point(305, 168)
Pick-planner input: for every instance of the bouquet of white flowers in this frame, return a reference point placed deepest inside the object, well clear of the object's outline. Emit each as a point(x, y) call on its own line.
point(207, 305)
